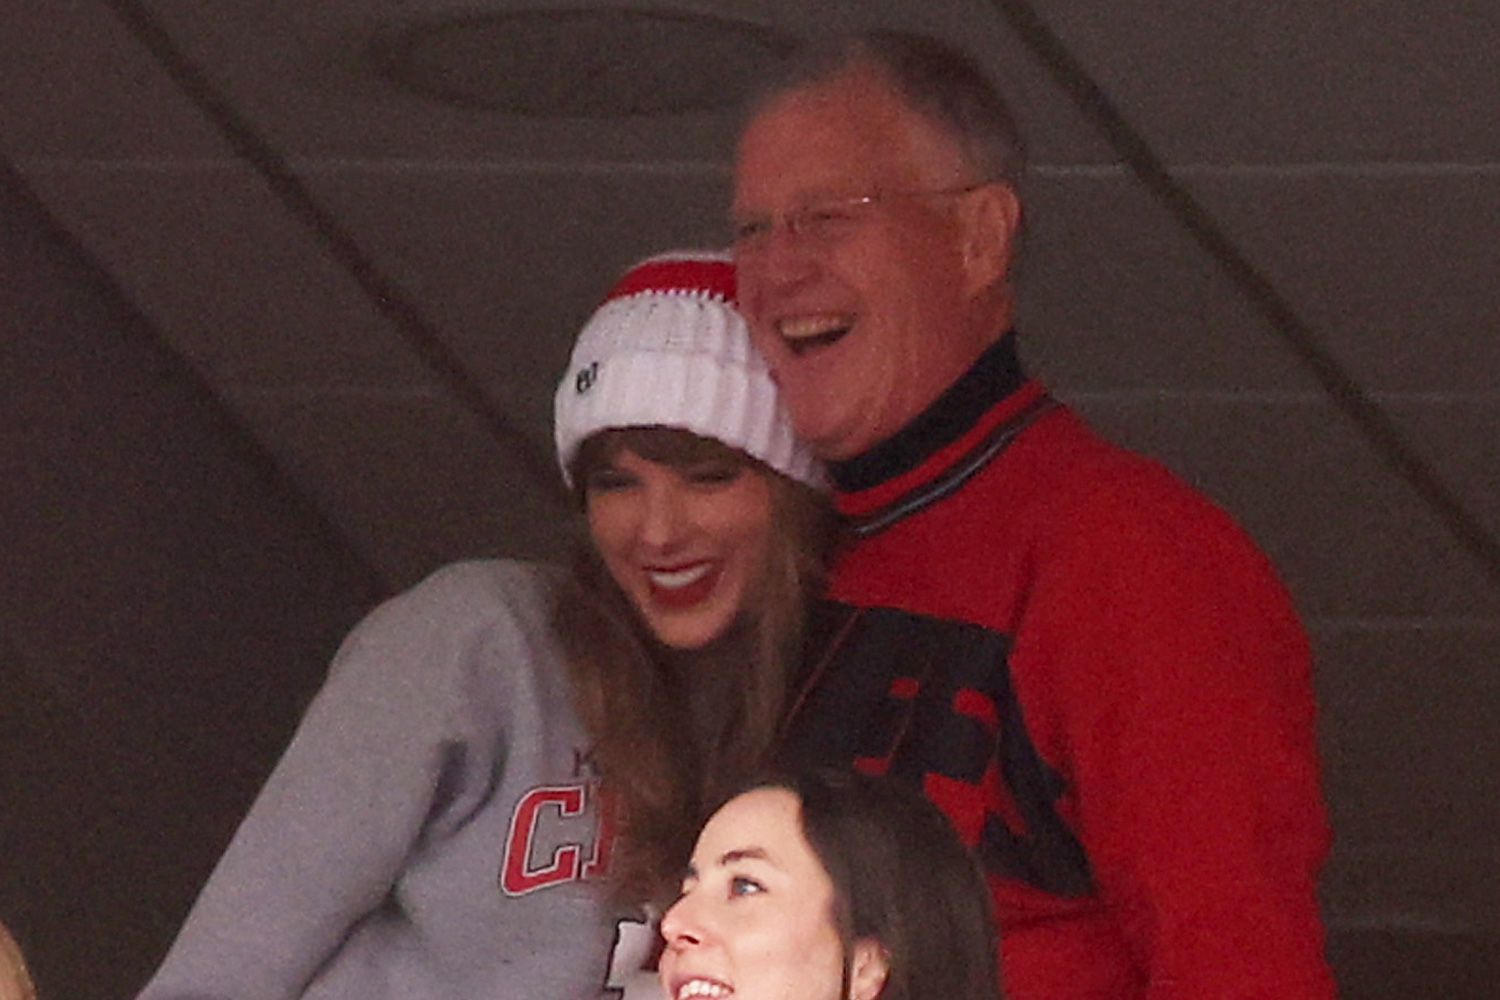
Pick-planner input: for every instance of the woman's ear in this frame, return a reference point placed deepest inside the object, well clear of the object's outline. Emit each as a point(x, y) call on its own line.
point(868, 969)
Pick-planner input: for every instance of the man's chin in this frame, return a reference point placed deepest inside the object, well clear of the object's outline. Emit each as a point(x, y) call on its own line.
point(833, 446)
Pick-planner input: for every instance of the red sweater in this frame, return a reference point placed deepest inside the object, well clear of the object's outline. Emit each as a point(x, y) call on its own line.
point(1098, 677)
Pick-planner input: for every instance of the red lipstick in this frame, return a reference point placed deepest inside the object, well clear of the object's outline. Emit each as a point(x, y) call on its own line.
point(679, 598)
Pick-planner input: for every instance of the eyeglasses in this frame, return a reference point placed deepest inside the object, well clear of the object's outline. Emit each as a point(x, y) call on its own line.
point(825, 221)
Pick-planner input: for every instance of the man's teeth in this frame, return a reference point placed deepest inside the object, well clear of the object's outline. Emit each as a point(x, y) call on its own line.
point(811, 326)
point(671, 579)
point(702, 988)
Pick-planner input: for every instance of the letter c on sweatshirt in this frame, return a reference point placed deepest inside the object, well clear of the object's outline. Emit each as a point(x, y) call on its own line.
point(516, 878)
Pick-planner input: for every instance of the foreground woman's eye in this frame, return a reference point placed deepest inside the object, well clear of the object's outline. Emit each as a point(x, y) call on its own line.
point(742, 886)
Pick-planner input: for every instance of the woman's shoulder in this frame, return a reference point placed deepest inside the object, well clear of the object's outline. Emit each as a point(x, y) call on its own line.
point(479, 589)
point(458, 610)
point(486, 581)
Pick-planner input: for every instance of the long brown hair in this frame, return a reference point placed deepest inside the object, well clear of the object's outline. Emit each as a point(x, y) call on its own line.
point(674, 731)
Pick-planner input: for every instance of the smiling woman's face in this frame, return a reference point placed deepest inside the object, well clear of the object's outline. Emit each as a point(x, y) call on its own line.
point(688, 545)
point(755, 919)
point(756, 916)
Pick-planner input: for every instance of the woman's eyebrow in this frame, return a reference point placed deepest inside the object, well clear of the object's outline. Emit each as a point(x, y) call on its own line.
point(743, 854)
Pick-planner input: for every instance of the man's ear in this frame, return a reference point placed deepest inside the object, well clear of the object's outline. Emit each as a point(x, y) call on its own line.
point(868, 969)
point(992, 221)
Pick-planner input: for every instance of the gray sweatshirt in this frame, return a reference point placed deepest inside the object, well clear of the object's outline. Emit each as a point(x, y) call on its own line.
point(433, 830)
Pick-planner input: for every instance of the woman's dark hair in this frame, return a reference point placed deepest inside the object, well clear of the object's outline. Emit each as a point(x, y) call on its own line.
point(901, 877)
point(676, 731)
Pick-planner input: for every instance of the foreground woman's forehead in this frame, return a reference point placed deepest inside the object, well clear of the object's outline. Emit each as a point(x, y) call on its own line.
point(768, 808)
point(752, 822)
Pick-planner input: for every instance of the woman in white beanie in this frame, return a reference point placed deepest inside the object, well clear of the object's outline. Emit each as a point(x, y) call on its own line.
point(709, 539)
point(507, 761)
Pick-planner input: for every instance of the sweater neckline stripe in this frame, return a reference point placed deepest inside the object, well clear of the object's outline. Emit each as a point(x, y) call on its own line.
point(951, 481)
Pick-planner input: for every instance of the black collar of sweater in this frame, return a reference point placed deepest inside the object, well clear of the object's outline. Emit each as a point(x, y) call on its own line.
point(994, 376)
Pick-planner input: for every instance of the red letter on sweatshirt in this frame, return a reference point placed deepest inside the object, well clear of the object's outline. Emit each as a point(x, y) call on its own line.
point(516, 878)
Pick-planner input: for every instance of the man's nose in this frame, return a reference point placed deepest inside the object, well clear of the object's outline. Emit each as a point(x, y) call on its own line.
point(788, 253)
point(782, 257)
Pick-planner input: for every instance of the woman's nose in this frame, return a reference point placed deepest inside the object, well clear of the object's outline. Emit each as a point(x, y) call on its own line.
point(661, 521)
point(680, 926)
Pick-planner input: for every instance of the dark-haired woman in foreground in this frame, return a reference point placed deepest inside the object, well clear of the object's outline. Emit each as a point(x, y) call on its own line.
point(830, 886)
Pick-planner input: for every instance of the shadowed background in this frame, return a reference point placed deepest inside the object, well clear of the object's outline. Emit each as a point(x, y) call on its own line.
point(285, 287)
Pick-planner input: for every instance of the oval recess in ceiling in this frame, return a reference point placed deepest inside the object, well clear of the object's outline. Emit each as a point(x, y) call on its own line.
point(578, 63)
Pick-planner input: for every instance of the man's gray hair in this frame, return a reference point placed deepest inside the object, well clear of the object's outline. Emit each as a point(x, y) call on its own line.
point(934, 78)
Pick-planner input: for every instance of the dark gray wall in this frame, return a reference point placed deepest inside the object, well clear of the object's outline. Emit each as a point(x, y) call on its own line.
point(167, 604)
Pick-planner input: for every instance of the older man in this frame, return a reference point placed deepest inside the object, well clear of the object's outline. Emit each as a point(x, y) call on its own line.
point(1084, 662)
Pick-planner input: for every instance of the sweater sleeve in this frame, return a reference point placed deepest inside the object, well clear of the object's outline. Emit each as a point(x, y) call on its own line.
point(1184, 715)
point(333, 827)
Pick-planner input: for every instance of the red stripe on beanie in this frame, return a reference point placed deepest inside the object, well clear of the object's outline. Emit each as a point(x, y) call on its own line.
point(678, 274)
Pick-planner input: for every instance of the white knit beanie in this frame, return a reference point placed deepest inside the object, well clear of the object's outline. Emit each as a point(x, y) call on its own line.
point(668, 348)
